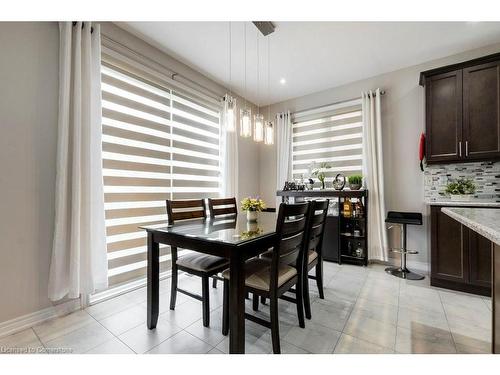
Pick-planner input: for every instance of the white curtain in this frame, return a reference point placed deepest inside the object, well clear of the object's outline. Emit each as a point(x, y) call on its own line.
point(229, 157)
point(373, 173)
point(79, 264)
point(283, 150)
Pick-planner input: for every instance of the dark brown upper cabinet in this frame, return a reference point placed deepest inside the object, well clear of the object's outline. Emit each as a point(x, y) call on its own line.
point(462, 104)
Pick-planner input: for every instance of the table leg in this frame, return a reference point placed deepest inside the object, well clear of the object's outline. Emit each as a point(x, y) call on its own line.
point(236, 305)
point(153, 281)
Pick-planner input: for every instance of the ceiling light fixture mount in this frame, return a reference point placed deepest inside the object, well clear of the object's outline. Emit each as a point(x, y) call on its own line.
point(265, 27)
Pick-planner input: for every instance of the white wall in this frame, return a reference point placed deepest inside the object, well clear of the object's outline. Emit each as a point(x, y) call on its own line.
point(28, 134)
point(403, 121)
point(28, 129)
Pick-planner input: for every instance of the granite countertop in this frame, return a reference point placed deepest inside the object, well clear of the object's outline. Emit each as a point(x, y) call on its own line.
point(485, 221)
point(477, 202)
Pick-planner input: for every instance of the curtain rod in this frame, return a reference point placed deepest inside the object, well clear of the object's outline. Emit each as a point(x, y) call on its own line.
point(83, 24)
point(299, 113)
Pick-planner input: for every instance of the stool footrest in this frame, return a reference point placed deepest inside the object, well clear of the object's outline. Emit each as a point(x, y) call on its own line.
point(401, 251)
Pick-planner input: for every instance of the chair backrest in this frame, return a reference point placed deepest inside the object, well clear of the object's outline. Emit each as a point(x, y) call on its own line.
point(291, 234)
point(222, 206)
point(185, 209)
point(317, 217)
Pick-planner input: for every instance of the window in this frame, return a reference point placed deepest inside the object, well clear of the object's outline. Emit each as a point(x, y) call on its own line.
point(332, 135)
point(158, 144)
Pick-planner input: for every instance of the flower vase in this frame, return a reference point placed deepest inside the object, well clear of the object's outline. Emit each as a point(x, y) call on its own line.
point(251, 215)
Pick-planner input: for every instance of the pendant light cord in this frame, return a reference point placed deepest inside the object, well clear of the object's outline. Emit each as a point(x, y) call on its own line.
point(230, 62)
point(268, 78)
point(245, 54)
point(258, 73)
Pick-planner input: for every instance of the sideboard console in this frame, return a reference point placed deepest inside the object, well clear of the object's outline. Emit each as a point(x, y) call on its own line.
point(345, 239)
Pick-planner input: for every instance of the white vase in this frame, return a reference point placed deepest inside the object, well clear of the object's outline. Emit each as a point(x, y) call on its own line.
point(252, 215)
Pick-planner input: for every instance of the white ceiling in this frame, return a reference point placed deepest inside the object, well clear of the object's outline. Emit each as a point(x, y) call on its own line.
point(311, 56)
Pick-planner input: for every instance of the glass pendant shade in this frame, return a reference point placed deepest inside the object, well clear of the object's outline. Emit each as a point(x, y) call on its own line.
point(230, 109)
point(269, 133)
point(245, 123)
point(258, 128)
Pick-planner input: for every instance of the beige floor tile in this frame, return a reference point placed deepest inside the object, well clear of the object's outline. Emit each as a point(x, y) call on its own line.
point(211, 335)
point(387, 295)
point(351, 345)
point(253, 344)
point(56, 327)
point(379, 311)
point(477, 315)
point(466, 334)
point(331, 314)
point(81, 340)
point(408, 318)
point(371, 330)
point(182, 343)
point(185, 314)
point(113, 346)
point(464, 349)
point(463, 300)
point(141, 339)
point(314, 338)
point(215, 351)
point(112, 306)
point(124, 320)
point(24, 342)
point(421, 303)
point(424, 339)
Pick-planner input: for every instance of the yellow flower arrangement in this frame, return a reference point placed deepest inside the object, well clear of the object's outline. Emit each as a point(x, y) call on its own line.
point(252, 204)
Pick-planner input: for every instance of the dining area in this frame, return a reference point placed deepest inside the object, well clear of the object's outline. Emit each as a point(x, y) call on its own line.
point(263, 256)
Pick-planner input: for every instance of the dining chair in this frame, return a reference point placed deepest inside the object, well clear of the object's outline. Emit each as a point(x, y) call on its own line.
point(273, 277)
point(314, 259)
point(202, 265)
point(221, 207)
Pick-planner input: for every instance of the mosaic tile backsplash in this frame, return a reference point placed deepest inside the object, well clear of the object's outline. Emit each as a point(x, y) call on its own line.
point(486, 175)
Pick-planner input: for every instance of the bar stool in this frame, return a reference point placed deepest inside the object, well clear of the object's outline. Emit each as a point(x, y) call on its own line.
point(403, 219)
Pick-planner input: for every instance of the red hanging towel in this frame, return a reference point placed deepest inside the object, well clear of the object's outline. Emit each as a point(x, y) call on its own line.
point(421, 151)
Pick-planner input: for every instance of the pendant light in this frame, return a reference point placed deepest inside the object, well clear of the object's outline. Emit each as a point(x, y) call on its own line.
point(229, 101)
point(268, 128)
point(245, 113)
point(258, 119)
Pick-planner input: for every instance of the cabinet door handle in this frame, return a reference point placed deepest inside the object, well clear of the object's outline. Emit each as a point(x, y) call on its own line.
point(460, 148)
point(466, 148)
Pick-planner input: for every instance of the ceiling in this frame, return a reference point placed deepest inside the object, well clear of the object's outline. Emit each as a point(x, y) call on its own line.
point(310, 56)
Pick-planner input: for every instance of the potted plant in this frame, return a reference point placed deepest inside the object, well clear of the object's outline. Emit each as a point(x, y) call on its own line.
point(462, 189)
point(252, 206)
point(319, 173)
point(355, 182)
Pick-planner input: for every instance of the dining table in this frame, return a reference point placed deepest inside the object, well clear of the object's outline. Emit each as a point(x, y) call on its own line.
point(232, 237)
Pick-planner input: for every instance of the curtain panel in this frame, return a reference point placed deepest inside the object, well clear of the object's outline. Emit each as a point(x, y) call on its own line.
point(79, 263)
point(283, 150)
point(373, 173)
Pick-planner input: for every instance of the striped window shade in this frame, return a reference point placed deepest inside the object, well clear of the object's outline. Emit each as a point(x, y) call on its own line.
point(332, 135)
point(158, 144)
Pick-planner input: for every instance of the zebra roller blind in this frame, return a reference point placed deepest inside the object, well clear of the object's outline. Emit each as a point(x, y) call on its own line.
point(158, 144)
point(332, 135)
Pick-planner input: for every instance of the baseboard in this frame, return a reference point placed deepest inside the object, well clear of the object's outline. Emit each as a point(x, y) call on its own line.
point(18, 324)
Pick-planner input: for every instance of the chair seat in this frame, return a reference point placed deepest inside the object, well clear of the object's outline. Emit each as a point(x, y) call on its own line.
point(310, 256)
point(202, 262)
point(258, 273)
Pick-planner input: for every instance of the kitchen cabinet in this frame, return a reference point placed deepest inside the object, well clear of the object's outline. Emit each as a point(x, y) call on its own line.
point(462, 105)
point(460, 258)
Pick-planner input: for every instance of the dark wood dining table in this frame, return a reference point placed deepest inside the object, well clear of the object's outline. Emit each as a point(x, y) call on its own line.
point(231, 237)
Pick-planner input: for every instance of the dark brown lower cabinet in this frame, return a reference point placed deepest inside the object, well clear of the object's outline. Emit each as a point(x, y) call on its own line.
point(460, 258)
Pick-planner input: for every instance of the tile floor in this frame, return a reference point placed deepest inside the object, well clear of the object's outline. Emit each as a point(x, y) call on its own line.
point(364, 311)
